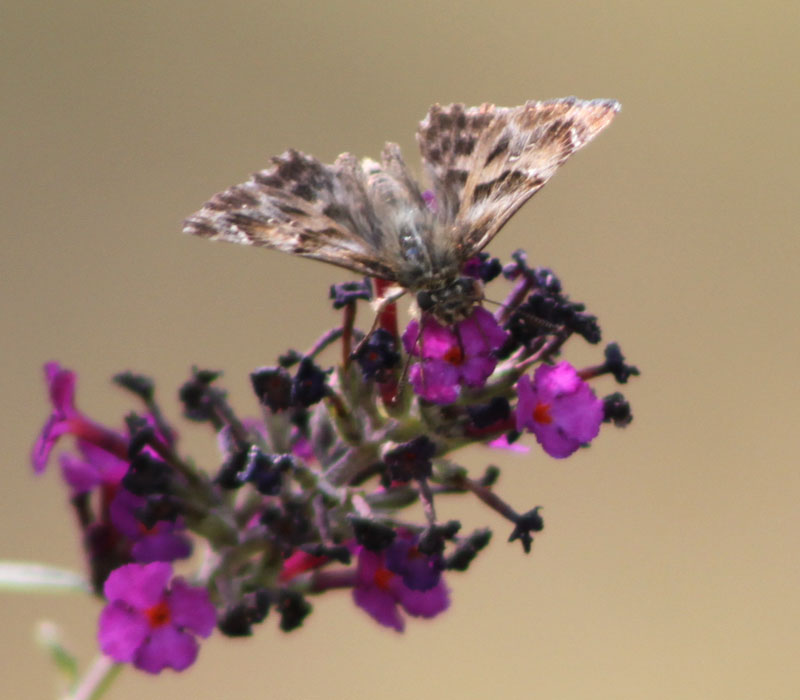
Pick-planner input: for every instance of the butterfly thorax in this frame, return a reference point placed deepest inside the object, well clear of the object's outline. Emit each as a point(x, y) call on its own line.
point(452, 302)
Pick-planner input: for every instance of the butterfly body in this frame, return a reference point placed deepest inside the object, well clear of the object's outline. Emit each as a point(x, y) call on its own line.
point(373, 218)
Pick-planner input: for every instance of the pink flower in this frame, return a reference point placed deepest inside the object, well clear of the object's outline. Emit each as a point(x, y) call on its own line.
point(453, 357)
point(399, 578)
point(559, 408)
point(66, 419)
point(164, 541)
point(150, 622)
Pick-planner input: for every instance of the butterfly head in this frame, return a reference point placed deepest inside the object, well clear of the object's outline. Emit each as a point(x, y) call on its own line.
point(452, 302)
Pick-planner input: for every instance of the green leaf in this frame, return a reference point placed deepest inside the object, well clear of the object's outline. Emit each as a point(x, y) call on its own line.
point(40, 578)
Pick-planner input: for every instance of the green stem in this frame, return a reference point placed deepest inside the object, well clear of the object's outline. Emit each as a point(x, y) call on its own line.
point(96, 680)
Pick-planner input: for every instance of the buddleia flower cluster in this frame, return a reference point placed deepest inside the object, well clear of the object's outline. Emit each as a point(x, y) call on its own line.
point(310, 491)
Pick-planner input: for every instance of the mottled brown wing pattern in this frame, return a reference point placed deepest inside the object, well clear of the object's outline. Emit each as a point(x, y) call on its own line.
point(513, 154)
point(370, 217)
point(447, 138)
point(303, 207)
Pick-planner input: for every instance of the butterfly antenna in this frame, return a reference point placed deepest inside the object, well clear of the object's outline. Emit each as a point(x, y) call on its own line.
point(496, 303)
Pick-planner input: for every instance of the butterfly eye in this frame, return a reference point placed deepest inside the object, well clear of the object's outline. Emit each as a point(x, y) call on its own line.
point(425, 301)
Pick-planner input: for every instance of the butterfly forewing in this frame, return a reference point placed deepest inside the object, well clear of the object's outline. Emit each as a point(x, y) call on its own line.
point(510, 156)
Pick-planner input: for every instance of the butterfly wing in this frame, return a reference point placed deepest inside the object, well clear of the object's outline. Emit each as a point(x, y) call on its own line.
point(487, 161)
point(304, 207)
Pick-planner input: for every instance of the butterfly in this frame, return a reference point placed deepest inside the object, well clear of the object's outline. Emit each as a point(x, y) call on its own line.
point(373, 217)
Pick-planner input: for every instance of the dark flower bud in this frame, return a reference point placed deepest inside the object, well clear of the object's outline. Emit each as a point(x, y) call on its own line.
point(615, 364)
point(309, 384)
point(195, 396)
point(141, 434)
point(519, 267)
point(292, 608)
point(147, 475)
point(484, 415)
point(467, 550)
point(432, 539)
point(378, 355)
point(273, 387)
point(290, 358)
point(350, 292)
point(158, 508)
point(411, 460)
point(586, 326)
point(229, 475)
point(547, 281)
point(617, 410)
point(238, 620)
point(265, 471)
point(482, 267)
point(138, 384)
point(525, 525)
point(491, 475)
point(372, 535)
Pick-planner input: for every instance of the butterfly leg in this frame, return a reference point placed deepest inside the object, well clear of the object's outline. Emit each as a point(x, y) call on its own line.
point(380, 306)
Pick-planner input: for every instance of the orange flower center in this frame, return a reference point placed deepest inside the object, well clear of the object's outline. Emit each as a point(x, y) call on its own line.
point(158, 615)
point(454, 355)
point(383, 577)
point(541, 413)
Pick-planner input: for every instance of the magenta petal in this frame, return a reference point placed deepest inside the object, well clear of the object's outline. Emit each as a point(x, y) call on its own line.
point(61, 385)
point(167, 647)
point(554, 382)
point(435, 380)
point(554, 441)
point(161, 546)
point(476, 370)
point(368, 564)
point(110, 467)
point(426, 603)
point(79, 474)
point(54, 428)
point(580, 414)
point(525, 403)
point(139, 585)
point(480, 333)
point(191, 608)
point(380, 605)
point(410, 338)
point(121, 631)
point(123, 513)
point(502, 443)
point(437, 340)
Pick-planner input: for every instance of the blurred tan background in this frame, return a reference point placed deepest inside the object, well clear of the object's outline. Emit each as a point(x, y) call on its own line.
point(669, 565)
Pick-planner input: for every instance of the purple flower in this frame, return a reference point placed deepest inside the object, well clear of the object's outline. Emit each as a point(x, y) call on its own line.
point(162, 542)
point(151, 622)
point(95, 467)
point(453, 357)
point(399, 577)
point(559, 408)
point(66, 419)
